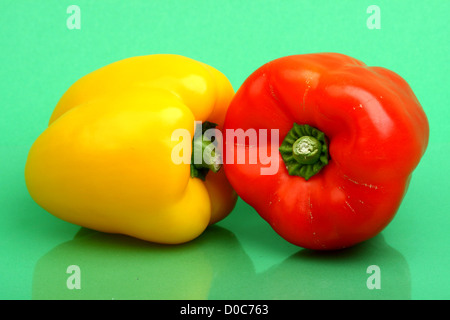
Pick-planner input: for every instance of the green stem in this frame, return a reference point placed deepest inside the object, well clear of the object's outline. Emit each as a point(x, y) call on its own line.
point(304, 151)
point(207, 159)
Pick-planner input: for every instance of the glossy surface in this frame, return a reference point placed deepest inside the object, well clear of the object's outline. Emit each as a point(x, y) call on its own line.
point(206, 269)
point(377, 133)
point(41, 58)
point(105, 161)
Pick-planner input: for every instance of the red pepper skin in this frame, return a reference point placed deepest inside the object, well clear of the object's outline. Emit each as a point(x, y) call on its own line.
point(377, 133)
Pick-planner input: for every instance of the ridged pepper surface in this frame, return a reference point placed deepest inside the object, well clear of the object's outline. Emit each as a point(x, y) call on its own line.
point(350, 137)
point(105, 160)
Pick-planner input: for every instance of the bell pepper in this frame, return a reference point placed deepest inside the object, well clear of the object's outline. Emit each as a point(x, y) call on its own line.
point(349, 138)
point(105, 160)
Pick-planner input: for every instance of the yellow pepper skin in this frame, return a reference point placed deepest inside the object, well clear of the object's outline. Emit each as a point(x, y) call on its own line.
point(104, 162)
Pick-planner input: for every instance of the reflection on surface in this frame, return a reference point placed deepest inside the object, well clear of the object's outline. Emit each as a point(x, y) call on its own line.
point(338, 275)
point(214, 266)
point(120, 267)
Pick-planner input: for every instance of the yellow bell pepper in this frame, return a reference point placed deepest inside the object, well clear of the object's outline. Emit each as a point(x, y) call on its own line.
point(104, 162)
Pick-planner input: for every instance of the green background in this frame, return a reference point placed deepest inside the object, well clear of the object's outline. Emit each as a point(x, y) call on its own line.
point(242, 257)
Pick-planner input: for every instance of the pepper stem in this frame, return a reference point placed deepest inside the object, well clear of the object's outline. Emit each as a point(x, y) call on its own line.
point(304, 151)
point(209, 160)
point(204, 157)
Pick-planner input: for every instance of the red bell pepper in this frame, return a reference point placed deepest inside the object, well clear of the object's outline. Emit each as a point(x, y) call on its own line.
point(349, 138)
